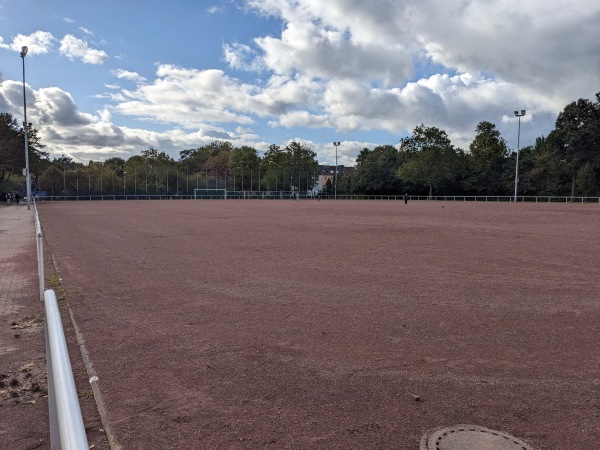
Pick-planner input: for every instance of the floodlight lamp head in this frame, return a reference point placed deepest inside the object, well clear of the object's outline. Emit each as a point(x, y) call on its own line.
point(336, 143)
point(522, 112)
point(24, 51)
point(517, 113)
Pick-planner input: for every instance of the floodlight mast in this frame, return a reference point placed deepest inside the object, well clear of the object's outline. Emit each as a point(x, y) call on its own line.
point(24, 51)
point(519, 115)
point(336, 144)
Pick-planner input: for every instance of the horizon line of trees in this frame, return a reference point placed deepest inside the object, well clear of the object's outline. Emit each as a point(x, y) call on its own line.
point(566, 162)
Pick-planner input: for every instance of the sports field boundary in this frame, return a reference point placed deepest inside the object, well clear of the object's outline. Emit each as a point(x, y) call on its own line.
point(213, 324)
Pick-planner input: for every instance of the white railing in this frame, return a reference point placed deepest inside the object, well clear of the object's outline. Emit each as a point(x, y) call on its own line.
point(40, 250)
point(67, 431)
point(284, 195)
point(66, 423)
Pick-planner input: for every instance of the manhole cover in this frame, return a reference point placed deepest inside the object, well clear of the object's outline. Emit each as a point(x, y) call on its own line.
point(470, 437)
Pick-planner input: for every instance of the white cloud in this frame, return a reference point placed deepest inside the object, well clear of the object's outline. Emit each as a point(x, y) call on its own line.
point(67, 20)
point(38, 43)
point(215, 10)
point(74, 48)
point(86, 31)
point(240, 56)
point(128, 75)
point(311, 49)
point(350, 65)
point(55, 107)
point(493, 56)
point(188, 97)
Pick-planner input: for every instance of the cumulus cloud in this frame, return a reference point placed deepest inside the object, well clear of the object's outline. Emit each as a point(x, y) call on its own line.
point(363, 55)
point(74, 48)
point(349, 66)
point(241, 56)
point(38, 43)
point(308, 48)
point(53, 106)
point(187, 96)
point(11, 97)
point(128, 75)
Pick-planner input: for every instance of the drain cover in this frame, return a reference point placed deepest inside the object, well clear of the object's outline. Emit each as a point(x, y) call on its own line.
point(470, 437)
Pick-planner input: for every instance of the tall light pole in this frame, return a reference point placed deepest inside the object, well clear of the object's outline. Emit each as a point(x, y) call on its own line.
point(124, 195)
point(337, 144)
point(24, 50)
point(519, 115)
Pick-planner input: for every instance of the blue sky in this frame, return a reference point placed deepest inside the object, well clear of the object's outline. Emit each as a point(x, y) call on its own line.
point(113, 78)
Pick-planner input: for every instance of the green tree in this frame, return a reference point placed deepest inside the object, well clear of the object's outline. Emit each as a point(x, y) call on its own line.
point(302, 163)
point(245, 161)
point(154, 158)
point(376, 171)
point(115, 164)
point(193, 160)
point(291, 168)
point(548, 175)
point(345, 184)
point(577, 134)
point(585, 179)
point(487, 162)
point(135, 175)
point(431, 160)
point(51, 180)
point(275, 163)
point(218, 164)
point(163, 169)
point(12, 150)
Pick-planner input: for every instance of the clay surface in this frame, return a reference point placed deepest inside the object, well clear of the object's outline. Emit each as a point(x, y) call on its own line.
point(322, 324)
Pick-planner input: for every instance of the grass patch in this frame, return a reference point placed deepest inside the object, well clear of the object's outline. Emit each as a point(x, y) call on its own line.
point(86, 394)
point(53, 282)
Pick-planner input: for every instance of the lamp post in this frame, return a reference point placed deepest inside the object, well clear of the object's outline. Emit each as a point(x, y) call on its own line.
point(124, 195)
point(519, 115)
point(24, 50)
point(337, 144)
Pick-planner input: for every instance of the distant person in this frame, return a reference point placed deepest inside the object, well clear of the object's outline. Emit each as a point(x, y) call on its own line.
point(17, 198)
point(7, 198)
point(405, 198)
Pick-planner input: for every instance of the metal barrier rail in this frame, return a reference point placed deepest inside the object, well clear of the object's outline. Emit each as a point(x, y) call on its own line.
point(241, 195)
point(40, 251)
point(66, 423)
point(67, 431)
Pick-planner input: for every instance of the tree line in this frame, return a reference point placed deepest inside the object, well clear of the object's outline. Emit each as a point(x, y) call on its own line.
point(566, 162)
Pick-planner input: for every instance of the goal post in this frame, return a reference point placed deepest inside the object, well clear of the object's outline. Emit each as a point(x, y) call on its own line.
point(210, 194)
